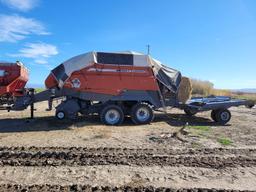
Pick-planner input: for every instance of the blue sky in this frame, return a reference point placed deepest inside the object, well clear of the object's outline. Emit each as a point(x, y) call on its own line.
point(205, 39)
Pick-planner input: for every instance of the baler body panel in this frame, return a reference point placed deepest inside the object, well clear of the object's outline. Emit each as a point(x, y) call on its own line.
point(109, 79)
point(112, 73)
point(113, 80)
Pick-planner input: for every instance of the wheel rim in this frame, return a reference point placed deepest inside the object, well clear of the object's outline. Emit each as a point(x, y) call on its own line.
point(224, 116)
point(112, 116)
point(142, 114)
point(60, 115)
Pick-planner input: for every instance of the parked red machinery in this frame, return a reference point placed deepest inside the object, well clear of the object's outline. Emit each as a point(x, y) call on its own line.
point(13, 78)
point(113, 85)
point(106, 78)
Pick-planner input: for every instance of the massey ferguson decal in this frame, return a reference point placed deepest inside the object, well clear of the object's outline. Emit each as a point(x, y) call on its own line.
point(76, 83)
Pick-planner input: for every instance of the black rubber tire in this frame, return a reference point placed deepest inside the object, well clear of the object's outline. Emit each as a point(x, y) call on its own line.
point(213, 115)
point(108, 108)
point(57, 115)
point(223, 116)
point(190, 112)
point(135, 110)
point(250, 104)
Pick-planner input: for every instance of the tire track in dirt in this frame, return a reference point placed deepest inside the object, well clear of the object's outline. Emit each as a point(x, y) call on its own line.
point(47, 188)
point(57, 156)
point(111, 150)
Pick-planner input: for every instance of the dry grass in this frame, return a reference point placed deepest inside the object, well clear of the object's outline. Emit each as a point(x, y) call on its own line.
point(202, 88)
point(221, 92)
point(206, 88)
point(248, 96)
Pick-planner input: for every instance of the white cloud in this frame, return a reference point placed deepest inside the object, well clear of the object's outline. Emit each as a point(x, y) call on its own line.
point(33, 50)
point(14, 28)
point(41, 61)
point(22, 5)
point(40, 52)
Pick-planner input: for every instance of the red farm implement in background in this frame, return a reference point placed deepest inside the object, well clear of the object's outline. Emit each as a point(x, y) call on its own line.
point(13, 78)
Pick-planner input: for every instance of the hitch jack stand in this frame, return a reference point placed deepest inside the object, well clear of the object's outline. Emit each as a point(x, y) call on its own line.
point(32, 108)
point(32, 111)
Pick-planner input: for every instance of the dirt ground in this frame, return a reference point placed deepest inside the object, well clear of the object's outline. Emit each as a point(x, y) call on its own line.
point(18, 134)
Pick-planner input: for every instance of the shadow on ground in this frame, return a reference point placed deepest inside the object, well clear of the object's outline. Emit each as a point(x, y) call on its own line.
point(178, 120)
point(52, 124)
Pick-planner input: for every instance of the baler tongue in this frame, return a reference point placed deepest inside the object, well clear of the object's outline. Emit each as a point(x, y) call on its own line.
point(13, 78)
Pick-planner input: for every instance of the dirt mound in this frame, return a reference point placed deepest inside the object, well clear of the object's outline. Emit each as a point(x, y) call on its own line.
point(74, 188)
point(104, 156)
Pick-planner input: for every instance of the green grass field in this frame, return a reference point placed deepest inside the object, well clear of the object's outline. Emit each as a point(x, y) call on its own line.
point(38, 90)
